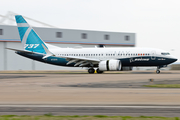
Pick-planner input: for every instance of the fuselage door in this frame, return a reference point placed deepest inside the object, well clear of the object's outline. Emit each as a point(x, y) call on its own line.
point(153, 55)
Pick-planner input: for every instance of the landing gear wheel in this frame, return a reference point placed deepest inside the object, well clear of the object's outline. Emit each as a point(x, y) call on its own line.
point(98, 71)
point(157, 71)
point(91, 71)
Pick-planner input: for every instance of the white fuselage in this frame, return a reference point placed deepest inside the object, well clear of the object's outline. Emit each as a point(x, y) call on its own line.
point(111, 53)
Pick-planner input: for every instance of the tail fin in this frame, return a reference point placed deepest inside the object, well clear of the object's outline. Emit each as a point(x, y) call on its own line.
point(29, 38)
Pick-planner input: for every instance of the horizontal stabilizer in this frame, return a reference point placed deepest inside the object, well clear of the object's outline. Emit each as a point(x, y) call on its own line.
point(19, 50)
point(48, 53)
point(29, 52)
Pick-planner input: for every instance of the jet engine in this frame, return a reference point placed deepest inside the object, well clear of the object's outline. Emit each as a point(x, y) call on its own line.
point(110, 65)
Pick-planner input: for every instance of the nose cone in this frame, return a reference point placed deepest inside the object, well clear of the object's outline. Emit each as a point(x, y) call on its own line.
point(173, 59)
point(170, 59)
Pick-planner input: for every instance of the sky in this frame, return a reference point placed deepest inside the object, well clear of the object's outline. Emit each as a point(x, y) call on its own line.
point(155, 22)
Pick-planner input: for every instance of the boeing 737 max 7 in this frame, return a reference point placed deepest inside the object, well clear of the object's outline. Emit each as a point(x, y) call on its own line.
point(104, 59)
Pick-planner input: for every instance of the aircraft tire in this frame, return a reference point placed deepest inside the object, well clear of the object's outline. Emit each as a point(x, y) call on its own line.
point(98, 71)
point(91, 71)
point(158, 71)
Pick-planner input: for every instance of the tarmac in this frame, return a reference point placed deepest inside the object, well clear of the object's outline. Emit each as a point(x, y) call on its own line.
point(63, 110)
point(89, 94)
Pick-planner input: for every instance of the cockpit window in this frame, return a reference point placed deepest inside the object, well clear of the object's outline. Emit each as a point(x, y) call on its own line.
point(165, 53)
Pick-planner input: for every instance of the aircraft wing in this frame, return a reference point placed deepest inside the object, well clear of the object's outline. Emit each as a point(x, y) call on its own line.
point(80, 61)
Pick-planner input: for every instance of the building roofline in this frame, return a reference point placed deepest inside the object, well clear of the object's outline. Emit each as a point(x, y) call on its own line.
point(72, 29)
point(72, 42)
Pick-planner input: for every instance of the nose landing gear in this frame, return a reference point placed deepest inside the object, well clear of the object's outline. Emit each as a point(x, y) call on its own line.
point(158, 71)
point(158, 67)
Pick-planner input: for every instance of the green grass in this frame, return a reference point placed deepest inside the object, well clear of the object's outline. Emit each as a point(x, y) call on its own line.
point(164, 86)
point(49, 116)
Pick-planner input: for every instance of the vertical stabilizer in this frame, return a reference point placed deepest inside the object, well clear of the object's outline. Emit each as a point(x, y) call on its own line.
point(29, 38)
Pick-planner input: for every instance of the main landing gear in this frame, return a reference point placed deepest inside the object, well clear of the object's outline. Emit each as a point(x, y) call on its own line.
point(92, 71)
point(98, 71)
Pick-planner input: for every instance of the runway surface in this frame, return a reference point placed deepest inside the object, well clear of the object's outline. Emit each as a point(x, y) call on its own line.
point(164, 111)
point(84, 94)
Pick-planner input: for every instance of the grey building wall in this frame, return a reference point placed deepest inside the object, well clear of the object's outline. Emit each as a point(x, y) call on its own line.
point(70, 38)
point(2, 57)
point(10, 33)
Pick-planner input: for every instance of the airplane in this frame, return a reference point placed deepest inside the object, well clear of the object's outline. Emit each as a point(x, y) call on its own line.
point(101, 59)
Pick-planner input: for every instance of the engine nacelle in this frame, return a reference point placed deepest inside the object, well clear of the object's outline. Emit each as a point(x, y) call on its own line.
point(110, 65)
